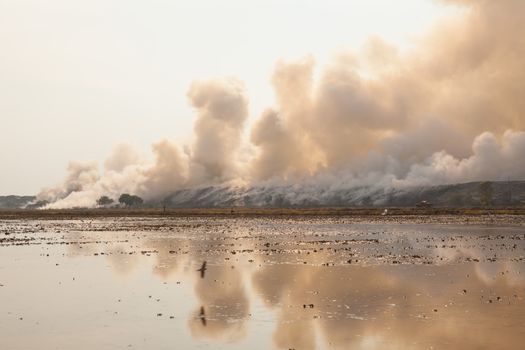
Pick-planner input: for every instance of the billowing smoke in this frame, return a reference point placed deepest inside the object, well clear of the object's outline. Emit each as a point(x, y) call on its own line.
point(449, 110)
point(80, 177)
point(222, 110)
point(491, 159)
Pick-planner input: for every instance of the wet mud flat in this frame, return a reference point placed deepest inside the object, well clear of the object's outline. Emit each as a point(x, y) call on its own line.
point(264, 282)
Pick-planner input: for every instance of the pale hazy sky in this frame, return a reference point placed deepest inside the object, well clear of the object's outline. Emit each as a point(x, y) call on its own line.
point(77, 77)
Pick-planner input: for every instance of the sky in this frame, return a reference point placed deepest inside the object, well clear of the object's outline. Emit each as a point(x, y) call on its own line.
point(78, 77)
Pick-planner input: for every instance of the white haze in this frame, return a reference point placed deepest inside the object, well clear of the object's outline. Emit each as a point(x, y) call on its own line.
point(451, 110)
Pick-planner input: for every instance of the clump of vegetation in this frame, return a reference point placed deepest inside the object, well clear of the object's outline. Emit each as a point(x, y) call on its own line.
point(129, 200)
point(104, 201)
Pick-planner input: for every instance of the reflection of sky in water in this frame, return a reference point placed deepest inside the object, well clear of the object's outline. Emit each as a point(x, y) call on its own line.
point(282, 284)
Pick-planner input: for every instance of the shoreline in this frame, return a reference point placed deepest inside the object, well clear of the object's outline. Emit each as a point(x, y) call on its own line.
point(236, 212)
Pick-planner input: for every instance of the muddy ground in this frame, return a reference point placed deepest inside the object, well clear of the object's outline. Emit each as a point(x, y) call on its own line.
point(262, 281)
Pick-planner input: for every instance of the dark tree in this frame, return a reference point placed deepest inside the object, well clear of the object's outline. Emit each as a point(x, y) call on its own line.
point(124, 199)
point(130, 200)
point(136, 201)
point(104, 200)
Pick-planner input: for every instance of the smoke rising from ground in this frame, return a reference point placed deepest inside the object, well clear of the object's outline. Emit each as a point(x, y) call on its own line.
point(450, 110)
point(222, 109)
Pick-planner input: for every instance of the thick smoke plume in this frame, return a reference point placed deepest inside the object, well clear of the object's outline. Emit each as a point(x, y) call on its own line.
point(450, 110)
point(222, 110)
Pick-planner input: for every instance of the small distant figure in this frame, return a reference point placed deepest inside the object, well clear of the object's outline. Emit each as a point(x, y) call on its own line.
point(385, 212)
point(202, 269)
point(202, 316)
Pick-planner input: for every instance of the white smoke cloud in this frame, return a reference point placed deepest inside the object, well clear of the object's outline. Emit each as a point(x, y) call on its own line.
point(222, 109)
point(450, 110)
point(80, 176)
point(490, 159)
point(122, 155)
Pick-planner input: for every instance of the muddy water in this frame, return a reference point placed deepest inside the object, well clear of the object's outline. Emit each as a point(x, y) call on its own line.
point(139, 283)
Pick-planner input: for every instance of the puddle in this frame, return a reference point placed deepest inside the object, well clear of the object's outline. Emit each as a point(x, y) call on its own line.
point(141, 283)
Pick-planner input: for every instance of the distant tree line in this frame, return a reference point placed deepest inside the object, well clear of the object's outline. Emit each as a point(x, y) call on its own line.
point(126, 199)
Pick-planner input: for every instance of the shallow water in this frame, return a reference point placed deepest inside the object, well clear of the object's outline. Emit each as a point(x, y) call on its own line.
point(133, 283)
